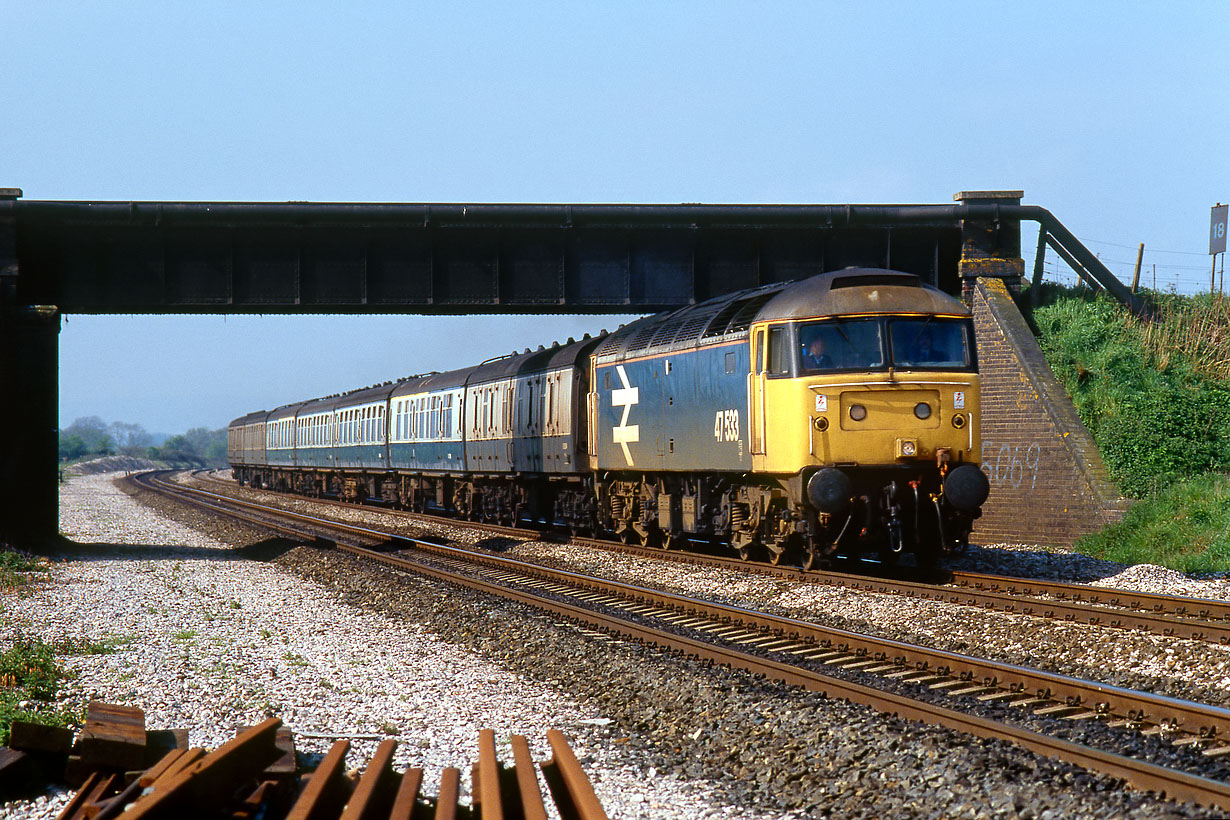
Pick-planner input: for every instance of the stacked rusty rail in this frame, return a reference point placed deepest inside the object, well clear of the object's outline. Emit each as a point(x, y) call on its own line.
point(255, 775)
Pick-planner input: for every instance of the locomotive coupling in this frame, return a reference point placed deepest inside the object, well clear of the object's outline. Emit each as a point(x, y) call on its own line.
point(829, 490)
point(966, 487)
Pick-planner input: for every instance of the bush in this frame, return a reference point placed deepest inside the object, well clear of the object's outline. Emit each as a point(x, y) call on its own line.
point(1151, 397)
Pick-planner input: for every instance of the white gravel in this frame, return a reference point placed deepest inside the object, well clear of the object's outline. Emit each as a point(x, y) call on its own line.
point(208, 641)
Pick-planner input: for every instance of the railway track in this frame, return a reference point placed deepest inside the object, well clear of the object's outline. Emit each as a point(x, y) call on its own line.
point(911, 681)
point(1166, 615)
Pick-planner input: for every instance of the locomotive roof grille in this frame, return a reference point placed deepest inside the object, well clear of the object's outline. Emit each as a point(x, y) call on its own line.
point(643, 336)
point(690, 330)
point(738, 315)
point(668, 330)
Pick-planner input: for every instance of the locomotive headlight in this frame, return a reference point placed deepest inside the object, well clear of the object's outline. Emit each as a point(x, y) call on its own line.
point(958, 421)
point(906, 448)
point(922, 410)
point(858, 412)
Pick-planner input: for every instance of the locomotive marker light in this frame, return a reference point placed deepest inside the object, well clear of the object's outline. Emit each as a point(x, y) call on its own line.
point(922, 411)
point(626, 396)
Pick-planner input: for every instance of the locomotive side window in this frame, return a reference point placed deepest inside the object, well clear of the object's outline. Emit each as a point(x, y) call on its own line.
point(779, 352)
point(930, 342)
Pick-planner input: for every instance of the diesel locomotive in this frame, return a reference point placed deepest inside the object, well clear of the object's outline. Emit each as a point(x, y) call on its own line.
point(836, 415)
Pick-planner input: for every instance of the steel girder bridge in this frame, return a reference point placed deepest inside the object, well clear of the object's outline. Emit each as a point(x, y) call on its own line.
point(60, 258)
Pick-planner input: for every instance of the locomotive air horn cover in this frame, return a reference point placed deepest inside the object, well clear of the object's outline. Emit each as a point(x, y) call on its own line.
point(966, 488)
point(829, 490)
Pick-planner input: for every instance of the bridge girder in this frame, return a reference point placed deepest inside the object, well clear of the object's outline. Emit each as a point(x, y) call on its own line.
point(194, 257)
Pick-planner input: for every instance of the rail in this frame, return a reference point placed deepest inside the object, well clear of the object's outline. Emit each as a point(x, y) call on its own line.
point(1202, 723)
point(244, 779)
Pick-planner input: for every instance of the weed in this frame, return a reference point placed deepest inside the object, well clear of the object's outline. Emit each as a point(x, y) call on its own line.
point(266, 634)
point(185, 635)
point(295, 659)
point(1151, 395)
point(29, 680)
point(18, 569)
point(86, 646)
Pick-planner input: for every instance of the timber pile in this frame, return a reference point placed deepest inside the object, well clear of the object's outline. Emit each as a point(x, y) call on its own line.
point(120, 768)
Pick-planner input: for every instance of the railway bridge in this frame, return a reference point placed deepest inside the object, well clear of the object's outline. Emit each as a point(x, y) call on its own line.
point(59, 258)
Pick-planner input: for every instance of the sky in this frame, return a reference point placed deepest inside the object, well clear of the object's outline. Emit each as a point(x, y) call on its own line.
point(1116, 121)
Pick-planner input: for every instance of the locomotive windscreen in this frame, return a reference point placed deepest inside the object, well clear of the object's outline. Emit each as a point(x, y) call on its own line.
point(906, 343)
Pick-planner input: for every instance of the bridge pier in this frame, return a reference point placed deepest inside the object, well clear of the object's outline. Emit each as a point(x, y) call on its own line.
point(29, 399)
point(990, 243)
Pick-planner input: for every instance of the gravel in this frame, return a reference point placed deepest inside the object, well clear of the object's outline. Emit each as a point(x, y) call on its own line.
point(661, 736)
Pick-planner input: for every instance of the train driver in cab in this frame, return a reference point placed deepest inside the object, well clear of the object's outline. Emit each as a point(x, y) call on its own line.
point(815, 355)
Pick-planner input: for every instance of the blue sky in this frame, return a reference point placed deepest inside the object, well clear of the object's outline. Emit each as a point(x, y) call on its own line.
point(1115, 121)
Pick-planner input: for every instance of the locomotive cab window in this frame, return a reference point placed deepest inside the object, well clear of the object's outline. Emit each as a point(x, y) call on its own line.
point(849, 344)
point(931, 343)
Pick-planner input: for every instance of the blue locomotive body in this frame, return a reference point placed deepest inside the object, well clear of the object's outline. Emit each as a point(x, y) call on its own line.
point(683, 410)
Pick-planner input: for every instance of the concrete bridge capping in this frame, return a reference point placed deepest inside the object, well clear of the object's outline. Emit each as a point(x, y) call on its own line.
point(197, 257)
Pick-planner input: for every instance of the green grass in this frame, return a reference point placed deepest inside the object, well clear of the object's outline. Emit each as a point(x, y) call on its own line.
point(1158, 413)
point(1184, 527)
point(1155, 395)
point(17, 569)
point(30, 677)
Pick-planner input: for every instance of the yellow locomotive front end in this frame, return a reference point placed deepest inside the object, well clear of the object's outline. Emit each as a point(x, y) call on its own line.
point(868, 418)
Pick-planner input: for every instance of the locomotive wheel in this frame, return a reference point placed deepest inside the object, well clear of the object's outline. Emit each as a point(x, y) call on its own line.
point(745, 552)
point(812, 560)
point(785, 549)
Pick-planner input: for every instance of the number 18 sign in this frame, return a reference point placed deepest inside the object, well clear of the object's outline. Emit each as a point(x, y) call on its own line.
point(1217, 230)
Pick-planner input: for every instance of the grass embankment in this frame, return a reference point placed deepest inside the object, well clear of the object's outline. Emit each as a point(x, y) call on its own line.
point(1156, 397)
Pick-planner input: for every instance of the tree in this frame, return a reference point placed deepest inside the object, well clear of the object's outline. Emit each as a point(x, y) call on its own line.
point(86, 436)
point(132, 439)
point(200, 446)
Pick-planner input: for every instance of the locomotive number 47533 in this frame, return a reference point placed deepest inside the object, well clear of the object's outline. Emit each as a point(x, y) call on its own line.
point(726, 425)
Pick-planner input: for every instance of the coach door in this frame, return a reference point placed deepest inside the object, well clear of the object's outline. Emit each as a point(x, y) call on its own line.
point(755, 394)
